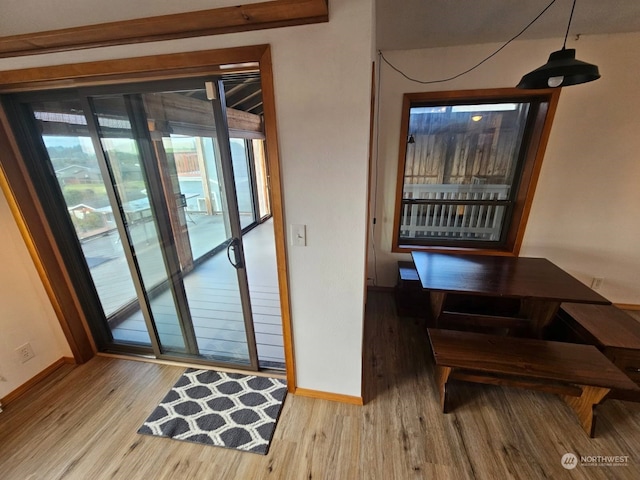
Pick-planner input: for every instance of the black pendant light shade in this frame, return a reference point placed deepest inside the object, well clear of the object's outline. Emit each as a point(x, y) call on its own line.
point(561, 70)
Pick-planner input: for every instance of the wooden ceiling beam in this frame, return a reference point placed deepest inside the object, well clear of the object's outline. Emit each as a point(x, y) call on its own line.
point(246, 98)
point(255, 107)
point(237, 88)
point(240, 18)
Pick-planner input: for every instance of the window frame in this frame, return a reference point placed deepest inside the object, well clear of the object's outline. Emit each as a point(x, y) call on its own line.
point(535, 138)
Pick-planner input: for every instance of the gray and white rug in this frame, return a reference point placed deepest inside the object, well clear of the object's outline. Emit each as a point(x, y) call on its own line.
point(224, 409)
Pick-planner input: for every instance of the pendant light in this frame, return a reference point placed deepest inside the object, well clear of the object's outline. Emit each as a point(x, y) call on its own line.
point(562, 69)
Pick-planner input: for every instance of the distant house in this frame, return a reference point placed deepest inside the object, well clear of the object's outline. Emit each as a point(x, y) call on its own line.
point(89, 221)
point(78, 174)
point(80, 210)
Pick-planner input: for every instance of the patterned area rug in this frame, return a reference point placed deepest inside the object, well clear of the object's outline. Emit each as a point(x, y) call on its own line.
point(223, 409)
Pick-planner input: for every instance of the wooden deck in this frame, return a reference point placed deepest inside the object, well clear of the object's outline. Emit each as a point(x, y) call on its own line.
point(107, 263)
point(214, 302)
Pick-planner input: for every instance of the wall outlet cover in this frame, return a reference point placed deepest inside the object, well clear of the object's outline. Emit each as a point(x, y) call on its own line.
point(25, 352)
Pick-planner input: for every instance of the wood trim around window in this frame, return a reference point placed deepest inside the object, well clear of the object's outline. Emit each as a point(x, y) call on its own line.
point(534, 155)
point(277, 211)
point(129, 70)
point(239, 18)
point(28, 212)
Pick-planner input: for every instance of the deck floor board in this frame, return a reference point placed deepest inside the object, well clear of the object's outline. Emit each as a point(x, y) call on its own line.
point(215, 306)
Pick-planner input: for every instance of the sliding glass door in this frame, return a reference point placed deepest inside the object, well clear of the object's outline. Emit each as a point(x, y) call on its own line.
point(155, 198)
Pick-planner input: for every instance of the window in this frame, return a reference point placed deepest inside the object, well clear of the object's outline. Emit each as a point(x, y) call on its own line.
point(469, 161)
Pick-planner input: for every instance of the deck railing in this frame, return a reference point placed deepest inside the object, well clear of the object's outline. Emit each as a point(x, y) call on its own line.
point(473, 212)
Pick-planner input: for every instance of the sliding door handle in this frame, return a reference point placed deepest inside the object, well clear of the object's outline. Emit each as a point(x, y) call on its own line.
point(233, 244)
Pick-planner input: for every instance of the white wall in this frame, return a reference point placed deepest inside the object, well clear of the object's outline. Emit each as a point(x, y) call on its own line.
point(586, 212)
point(322, 79)
point(26, 314)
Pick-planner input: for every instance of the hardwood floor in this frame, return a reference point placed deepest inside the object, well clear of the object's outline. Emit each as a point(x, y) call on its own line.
point(81, 424)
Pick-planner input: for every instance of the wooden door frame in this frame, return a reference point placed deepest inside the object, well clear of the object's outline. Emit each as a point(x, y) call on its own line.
point(27, 210)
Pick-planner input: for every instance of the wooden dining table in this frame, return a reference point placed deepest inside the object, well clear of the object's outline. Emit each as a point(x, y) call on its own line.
point(538, 284)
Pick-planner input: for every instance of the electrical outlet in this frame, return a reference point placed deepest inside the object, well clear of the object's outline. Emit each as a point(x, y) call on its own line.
point(596, 283)
point(25, 352)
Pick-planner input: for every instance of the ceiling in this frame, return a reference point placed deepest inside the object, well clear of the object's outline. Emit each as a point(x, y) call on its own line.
point(26, 16)
point(244, 92)
point(441, 23)
point(401, 24)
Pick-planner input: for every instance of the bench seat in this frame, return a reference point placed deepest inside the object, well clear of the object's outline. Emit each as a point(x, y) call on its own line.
point(580, 374)
point(613, 331)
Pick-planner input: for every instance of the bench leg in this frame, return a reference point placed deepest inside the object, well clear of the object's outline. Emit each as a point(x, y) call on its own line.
point(585, 406)
point(442, 375)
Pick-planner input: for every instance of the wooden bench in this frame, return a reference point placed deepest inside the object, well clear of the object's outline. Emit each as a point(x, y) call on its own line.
point(613, 331)
point(580, 374)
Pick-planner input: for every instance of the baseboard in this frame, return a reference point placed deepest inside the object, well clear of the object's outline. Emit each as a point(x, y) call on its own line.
point(333, 397)
point(627, 306)
point(375, 288)
point(29, 384)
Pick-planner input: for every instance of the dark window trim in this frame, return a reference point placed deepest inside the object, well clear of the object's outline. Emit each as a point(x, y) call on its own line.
point(535, 140)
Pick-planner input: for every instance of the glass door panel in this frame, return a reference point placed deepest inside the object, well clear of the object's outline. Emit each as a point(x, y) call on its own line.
point(187, 146)
point(196, 171)
point(149, 265)
point(66, 138)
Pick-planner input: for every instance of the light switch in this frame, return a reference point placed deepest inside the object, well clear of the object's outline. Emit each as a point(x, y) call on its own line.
point(299, 235)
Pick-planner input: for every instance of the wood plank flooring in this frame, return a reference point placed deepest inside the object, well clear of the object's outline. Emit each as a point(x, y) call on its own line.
point(81, 424)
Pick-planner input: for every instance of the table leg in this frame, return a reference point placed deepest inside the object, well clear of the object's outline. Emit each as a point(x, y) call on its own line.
point(585, 406)
point(442, 376)
point(437, 303)
point(539, 312)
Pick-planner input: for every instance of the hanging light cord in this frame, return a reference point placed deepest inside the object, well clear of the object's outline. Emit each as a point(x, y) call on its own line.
point(481, 62)
point(564, 45)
